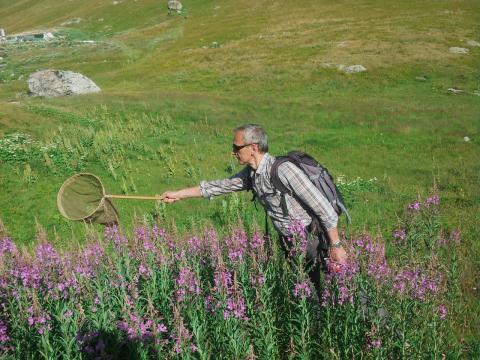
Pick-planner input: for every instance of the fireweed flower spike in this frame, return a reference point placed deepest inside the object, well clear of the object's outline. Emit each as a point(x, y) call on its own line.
point(432, 200)
point(222, 280)
point(415, 206)
point(7, 246)
point(4, 338)
point(112, 233)
point(195, 245)
point(400, 235)
point(237, 245)
point(375, 344)
point(297, 241)
point(181, 335)
point(187, 284)
point(302, 290)
point(442, 311)
point(456, 236)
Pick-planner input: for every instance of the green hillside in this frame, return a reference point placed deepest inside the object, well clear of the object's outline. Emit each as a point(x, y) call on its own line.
point(174, 86)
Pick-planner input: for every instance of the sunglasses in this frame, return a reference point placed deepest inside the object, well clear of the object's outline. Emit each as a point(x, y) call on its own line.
point(237, 148)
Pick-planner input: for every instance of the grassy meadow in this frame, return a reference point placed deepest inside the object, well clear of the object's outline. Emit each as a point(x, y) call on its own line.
point(174, 86)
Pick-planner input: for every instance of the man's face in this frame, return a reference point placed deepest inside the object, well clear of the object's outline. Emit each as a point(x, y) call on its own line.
point(240, 150)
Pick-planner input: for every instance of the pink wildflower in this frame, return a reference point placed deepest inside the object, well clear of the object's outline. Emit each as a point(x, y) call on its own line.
point(414, 206)
point(302, 290)
point(442, 311)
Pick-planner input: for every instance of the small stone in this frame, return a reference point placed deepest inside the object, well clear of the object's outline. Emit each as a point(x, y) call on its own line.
point(466, 139)
point(455, 91)
point(458, 50)
point(420, 78)
point(473, 43)
point(48, 36)
point(71, 21)
point(476, 92)
point(355, 69)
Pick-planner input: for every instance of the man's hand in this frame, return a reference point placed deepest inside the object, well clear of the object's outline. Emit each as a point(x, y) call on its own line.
point(338, 255)
point(337, 252)
point(169, 197)
point(172, 196)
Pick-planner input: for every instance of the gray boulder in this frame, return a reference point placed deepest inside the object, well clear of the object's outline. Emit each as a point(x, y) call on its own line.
point(354, 69)
point(175, 5)
point(54, 83)
point(455, 91)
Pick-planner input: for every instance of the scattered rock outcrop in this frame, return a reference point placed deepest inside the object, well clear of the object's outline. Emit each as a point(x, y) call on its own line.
point(354, 69)
point(54, 83)
point(175, 5)
point(71, 21)
point(346, 69)
point(455, 91)
point(458, 50)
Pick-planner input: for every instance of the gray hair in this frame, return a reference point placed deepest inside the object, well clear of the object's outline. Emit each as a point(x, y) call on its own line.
point(254, 134)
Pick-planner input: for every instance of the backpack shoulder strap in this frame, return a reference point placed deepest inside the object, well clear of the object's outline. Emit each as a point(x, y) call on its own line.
point(296, 158)
point(275, 179)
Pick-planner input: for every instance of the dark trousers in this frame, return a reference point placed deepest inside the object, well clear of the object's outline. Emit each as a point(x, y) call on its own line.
point(316, 255)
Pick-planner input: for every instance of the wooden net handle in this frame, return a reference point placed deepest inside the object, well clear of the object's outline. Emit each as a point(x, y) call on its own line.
point(135, 197)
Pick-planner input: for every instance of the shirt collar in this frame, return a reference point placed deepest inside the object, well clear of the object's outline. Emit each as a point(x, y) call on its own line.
point(262, 167)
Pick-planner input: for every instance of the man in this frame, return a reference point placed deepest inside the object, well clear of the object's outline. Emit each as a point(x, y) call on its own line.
point(250, 148)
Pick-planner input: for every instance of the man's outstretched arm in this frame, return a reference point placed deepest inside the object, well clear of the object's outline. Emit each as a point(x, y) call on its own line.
point(208, 189)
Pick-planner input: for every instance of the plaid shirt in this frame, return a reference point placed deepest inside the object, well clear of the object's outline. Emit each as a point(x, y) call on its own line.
point(293, 178)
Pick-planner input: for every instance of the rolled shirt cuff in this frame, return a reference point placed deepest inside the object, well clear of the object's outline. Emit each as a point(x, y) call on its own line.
point(331, 223)
point(204, 190)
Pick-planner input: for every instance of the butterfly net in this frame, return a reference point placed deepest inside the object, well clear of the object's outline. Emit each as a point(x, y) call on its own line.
point(82, 198)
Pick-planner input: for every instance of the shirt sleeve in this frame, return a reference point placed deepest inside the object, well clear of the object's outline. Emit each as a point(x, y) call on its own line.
point(300, 185)
point(238, 182)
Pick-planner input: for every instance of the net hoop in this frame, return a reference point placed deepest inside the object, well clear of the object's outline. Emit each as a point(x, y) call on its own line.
point(90, 215)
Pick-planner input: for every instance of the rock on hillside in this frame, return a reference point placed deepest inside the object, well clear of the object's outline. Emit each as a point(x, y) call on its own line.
point(354, 69)
point(175, 5)
point(53, 83)
point(458, 50)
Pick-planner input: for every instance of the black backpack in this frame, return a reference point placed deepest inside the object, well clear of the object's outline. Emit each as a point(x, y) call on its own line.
point(319, 176)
